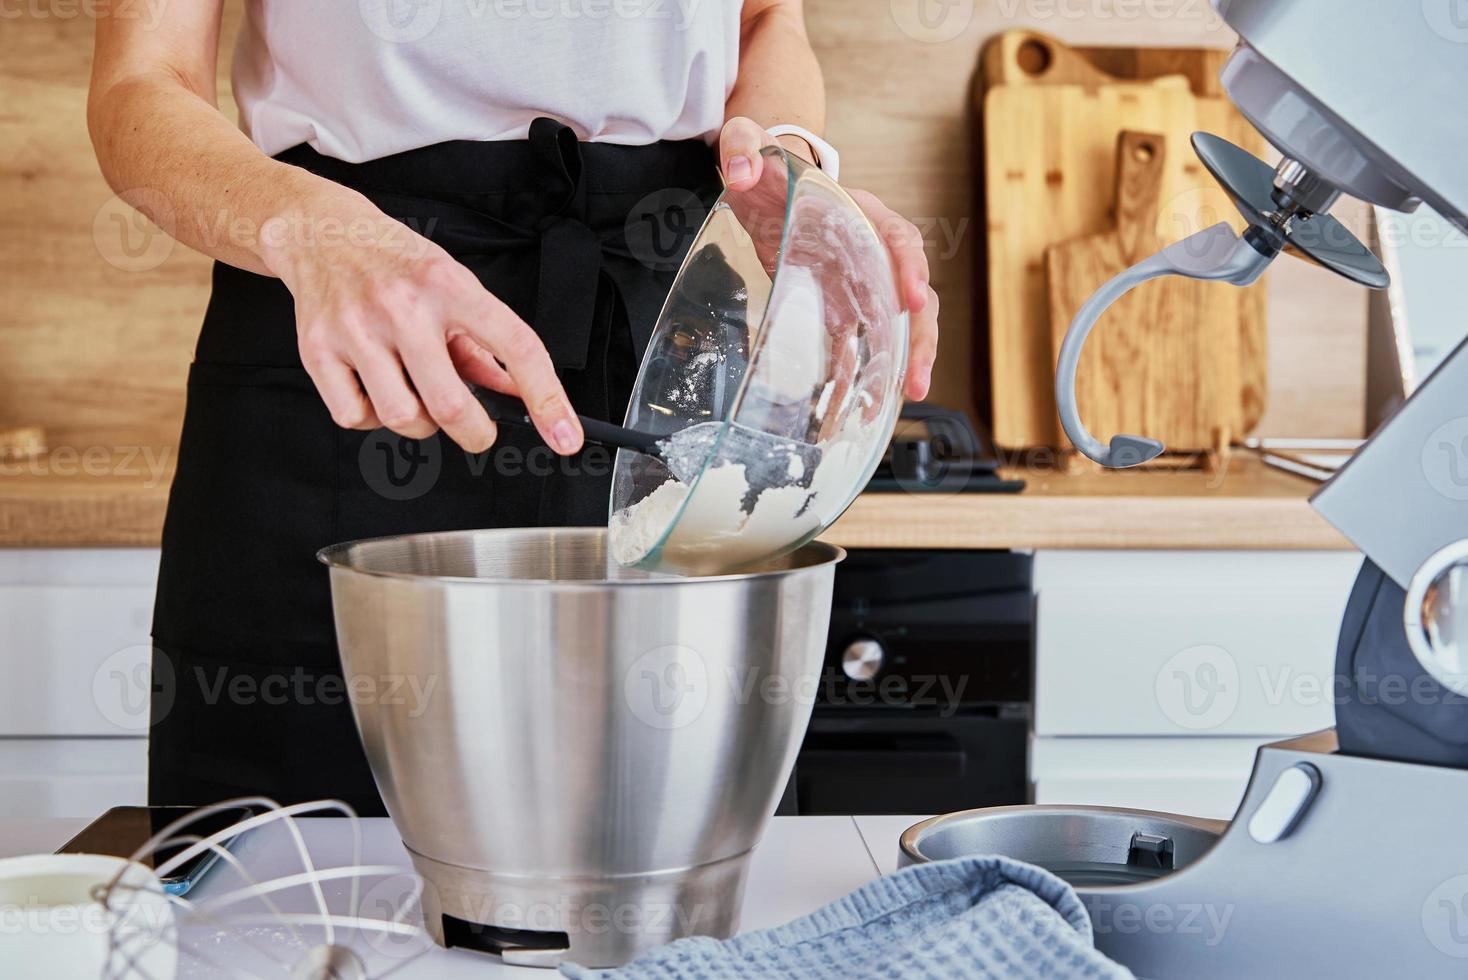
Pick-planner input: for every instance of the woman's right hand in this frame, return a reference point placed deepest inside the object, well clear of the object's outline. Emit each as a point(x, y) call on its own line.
point(390, 328)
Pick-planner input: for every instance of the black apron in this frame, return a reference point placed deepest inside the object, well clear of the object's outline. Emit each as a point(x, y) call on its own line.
point(582, 241)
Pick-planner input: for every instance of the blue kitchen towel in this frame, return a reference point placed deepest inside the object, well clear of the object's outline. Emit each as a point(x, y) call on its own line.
point(971, 917)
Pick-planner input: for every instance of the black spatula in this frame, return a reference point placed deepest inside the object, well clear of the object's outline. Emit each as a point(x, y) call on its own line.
point(769, 461)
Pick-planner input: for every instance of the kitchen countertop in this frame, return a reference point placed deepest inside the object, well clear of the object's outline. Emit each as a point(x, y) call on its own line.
point(1246, 506)
point(802, 864)
point(90, 489)
point(112, 492)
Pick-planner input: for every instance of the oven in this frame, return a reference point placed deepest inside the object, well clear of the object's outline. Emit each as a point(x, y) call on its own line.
point(925, 694)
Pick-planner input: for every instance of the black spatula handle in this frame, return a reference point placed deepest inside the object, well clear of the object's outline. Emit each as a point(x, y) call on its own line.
point(512, 411)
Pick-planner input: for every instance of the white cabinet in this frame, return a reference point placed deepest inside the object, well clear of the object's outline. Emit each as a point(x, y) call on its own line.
point(74, 651)
point(1202, 777)
point(1187, 643)
point(71, 777)
point(1157, 672)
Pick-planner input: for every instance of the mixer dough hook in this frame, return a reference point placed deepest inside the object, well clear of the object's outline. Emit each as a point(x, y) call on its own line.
point(1280, 205)
point(1216, 253)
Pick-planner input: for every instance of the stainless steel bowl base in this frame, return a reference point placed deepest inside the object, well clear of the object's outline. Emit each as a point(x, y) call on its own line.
point(560, 739)
point(598, 921)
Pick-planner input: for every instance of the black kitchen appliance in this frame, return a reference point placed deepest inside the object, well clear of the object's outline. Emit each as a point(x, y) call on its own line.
point(924, 702)
point(938, 450)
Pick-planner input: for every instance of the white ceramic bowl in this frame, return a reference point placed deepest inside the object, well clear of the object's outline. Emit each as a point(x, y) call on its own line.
point(52, 924)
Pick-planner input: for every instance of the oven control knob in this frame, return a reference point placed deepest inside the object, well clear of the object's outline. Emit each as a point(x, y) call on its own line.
point(862, 659)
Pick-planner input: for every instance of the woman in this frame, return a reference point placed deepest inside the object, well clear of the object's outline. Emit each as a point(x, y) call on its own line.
point(424, 194)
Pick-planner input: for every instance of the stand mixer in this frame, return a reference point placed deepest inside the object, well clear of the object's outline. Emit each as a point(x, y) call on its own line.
point(1339, 860)
point(1317, 79)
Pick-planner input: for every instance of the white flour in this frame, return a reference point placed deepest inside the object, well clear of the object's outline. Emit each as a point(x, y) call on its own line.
point(636, 530)
point(715, 533)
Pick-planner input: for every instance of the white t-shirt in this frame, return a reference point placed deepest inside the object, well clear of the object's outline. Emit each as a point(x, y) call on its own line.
point(362, 79)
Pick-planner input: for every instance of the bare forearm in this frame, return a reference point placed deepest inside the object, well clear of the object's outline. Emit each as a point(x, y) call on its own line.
point(779, 78)
point(174, 156)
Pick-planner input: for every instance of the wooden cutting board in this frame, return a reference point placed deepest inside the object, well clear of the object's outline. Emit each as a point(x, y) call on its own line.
point(1024, 57)
point(1050, 122)
point(1163, 362)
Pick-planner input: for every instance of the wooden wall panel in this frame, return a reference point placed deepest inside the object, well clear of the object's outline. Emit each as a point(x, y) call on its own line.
point(97, 336)
point(899, 75)
point(99, 310)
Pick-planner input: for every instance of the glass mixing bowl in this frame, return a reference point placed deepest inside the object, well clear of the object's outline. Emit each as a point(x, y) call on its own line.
point(785, 320)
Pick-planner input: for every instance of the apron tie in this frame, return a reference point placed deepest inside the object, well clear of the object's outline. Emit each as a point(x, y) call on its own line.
point(572, 258)
point(570, 252)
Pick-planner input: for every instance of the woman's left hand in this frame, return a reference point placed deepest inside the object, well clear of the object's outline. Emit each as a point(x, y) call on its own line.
point(740, 161)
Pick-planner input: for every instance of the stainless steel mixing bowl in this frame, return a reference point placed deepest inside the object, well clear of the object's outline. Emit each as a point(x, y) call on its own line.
point(1088, 846)
point(579, 756)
